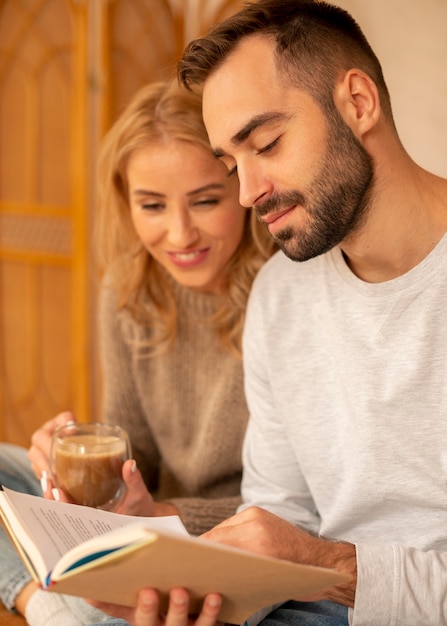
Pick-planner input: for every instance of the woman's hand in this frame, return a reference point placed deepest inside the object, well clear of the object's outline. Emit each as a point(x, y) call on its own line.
point(39, 452)
point(137, 499)
point(147, 612)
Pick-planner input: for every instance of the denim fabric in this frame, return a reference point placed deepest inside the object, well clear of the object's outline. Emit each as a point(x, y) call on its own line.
point(16, 473)
point(15, 470)
point(308, 614)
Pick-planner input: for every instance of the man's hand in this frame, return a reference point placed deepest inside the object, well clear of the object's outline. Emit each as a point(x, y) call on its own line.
point(257, 530)
point(147, 612)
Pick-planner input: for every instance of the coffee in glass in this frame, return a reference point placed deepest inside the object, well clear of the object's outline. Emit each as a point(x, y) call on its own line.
point(86, 462)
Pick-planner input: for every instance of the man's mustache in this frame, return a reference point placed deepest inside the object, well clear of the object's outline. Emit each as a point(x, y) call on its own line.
point(279, 202)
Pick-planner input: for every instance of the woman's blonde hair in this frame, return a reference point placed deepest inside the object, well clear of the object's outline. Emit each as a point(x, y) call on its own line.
point(161, 111)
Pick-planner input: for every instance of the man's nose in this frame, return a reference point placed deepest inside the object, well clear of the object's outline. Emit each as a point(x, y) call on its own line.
point(254, 185)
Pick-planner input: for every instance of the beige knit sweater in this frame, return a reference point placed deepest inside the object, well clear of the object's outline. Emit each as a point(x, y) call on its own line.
point(185, 410)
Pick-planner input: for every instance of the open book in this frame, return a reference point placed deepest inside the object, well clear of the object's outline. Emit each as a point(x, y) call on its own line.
point(109, 557)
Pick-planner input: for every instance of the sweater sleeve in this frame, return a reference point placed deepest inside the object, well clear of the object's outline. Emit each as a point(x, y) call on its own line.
point(400, 585)
point(121, 403)
point(201, 514)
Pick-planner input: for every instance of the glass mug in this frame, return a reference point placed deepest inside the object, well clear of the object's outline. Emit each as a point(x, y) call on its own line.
point(86, 461)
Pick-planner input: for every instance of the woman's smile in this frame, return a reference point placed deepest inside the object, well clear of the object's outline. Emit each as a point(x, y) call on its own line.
point(189, 258)
point(186, 212)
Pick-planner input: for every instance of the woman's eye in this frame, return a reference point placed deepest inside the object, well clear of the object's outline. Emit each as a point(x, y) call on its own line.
point(152, 206)
point(206, 202)
point(269, 146)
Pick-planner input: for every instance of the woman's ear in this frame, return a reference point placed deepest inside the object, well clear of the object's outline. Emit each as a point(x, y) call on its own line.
point(357, 100)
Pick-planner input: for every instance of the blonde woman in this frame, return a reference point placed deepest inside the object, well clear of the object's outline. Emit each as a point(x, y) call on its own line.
point(178, 256)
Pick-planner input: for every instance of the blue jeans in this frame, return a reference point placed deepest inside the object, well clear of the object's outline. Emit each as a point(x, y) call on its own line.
point(16, 473)
point(295, 613)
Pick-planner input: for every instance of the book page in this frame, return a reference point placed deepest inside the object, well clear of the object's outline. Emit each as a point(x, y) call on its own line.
point(130, 536)
point(48, 529)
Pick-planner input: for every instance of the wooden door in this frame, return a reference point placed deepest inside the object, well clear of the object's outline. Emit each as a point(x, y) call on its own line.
point(67, 68)
point(43, 213)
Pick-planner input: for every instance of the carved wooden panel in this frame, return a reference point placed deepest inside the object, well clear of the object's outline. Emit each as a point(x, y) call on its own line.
point(42, 213)
point(67, 68)
point(147, 37)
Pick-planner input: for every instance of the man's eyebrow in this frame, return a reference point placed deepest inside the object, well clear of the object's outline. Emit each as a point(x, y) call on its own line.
point(253, 124)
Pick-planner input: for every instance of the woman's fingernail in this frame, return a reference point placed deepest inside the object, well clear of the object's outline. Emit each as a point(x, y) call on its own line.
point(56, 494)
point(133, 469)
point(44, 481)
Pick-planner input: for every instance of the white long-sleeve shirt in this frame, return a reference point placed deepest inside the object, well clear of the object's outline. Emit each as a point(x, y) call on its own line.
point(346, 383)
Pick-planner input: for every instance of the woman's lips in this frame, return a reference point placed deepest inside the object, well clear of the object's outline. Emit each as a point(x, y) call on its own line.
point(188, 258)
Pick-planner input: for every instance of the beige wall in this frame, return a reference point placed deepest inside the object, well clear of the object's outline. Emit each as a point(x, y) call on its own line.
point(409, 37)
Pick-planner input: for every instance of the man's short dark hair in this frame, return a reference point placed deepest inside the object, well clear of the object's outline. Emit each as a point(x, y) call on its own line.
point(314, 41)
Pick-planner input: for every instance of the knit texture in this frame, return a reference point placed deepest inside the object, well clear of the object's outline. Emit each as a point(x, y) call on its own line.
point(185, 410)
point(49, 609)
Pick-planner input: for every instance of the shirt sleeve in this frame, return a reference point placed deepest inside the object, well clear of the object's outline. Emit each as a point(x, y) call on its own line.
point(400, 585)
point(283, 491)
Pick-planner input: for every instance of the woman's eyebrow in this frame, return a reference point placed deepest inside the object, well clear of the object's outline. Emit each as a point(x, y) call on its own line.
point(147, 192)
point(209, 187)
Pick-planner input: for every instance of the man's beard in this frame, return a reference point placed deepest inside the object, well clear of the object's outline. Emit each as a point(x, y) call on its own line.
point(336, 201)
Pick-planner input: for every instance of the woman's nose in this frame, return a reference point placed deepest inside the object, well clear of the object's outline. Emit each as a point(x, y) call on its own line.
point(182, 231)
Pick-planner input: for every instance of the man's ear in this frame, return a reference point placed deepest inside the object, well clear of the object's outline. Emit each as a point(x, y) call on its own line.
point(357, 100)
